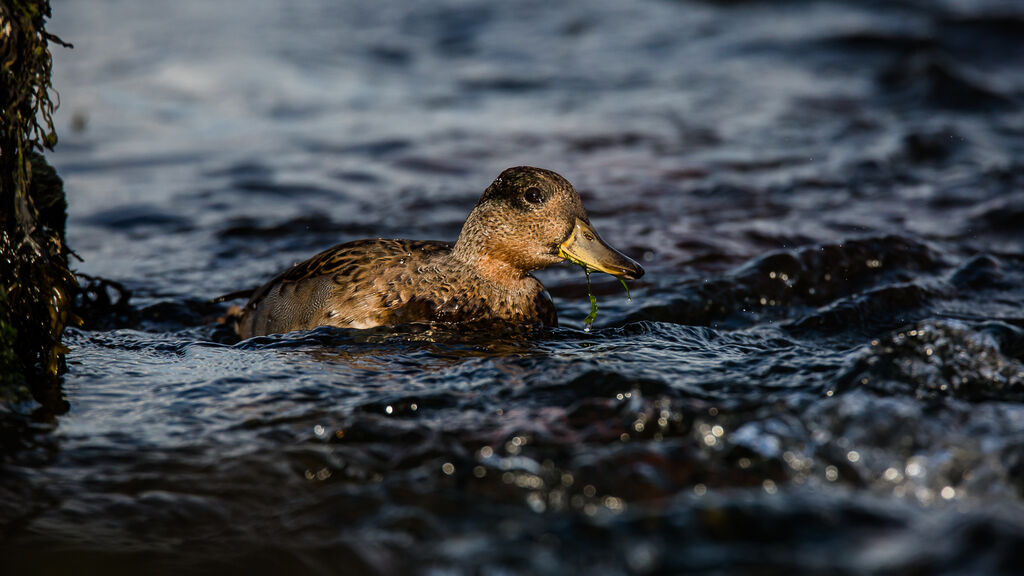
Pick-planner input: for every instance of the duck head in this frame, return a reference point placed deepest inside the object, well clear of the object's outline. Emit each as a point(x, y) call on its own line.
point(530, 218)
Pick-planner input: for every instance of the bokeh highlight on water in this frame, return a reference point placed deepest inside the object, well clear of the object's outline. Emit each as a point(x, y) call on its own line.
point(821, 371)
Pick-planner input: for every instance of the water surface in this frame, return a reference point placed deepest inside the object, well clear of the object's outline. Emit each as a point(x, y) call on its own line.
point(820, 372)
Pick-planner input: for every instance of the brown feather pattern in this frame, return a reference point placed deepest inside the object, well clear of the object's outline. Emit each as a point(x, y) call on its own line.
point(370, 283)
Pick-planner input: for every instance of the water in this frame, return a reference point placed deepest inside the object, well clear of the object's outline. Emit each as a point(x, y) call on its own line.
point(820, 372)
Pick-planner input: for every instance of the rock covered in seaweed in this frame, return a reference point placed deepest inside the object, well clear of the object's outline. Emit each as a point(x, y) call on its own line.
point(35, 281)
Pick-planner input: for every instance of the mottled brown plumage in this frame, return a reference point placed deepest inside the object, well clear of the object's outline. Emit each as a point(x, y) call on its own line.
point(527, 219)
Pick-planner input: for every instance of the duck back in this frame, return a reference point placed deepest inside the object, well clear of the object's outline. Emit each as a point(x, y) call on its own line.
point(379, 282)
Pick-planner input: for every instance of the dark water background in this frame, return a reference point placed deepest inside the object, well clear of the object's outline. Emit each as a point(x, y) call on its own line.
point(821, 371)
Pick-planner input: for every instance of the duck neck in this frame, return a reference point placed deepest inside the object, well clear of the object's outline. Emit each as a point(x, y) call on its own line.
point(489, 267)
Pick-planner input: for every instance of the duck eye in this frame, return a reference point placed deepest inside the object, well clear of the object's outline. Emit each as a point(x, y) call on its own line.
point(533, 195)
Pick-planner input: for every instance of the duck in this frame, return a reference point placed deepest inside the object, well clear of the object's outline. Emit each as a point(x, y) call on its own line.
point(526, 220)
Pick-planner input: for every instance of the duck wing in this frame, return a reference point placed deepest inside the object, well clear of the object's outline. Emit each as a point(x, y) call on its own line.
point(293, 299)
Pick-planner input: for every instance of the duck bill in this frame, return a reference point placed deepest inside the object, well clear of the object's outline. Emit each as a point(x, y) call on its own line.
point(585, 247)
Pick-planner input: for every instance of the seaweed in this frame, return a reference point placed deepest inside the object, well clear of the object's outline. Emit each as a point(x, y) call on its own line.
point(35, 281)
point(588, 322)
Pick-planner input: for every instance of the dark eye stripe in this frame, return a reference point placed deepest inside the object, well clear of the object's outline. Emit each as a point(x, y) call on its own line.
point(533, 195)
